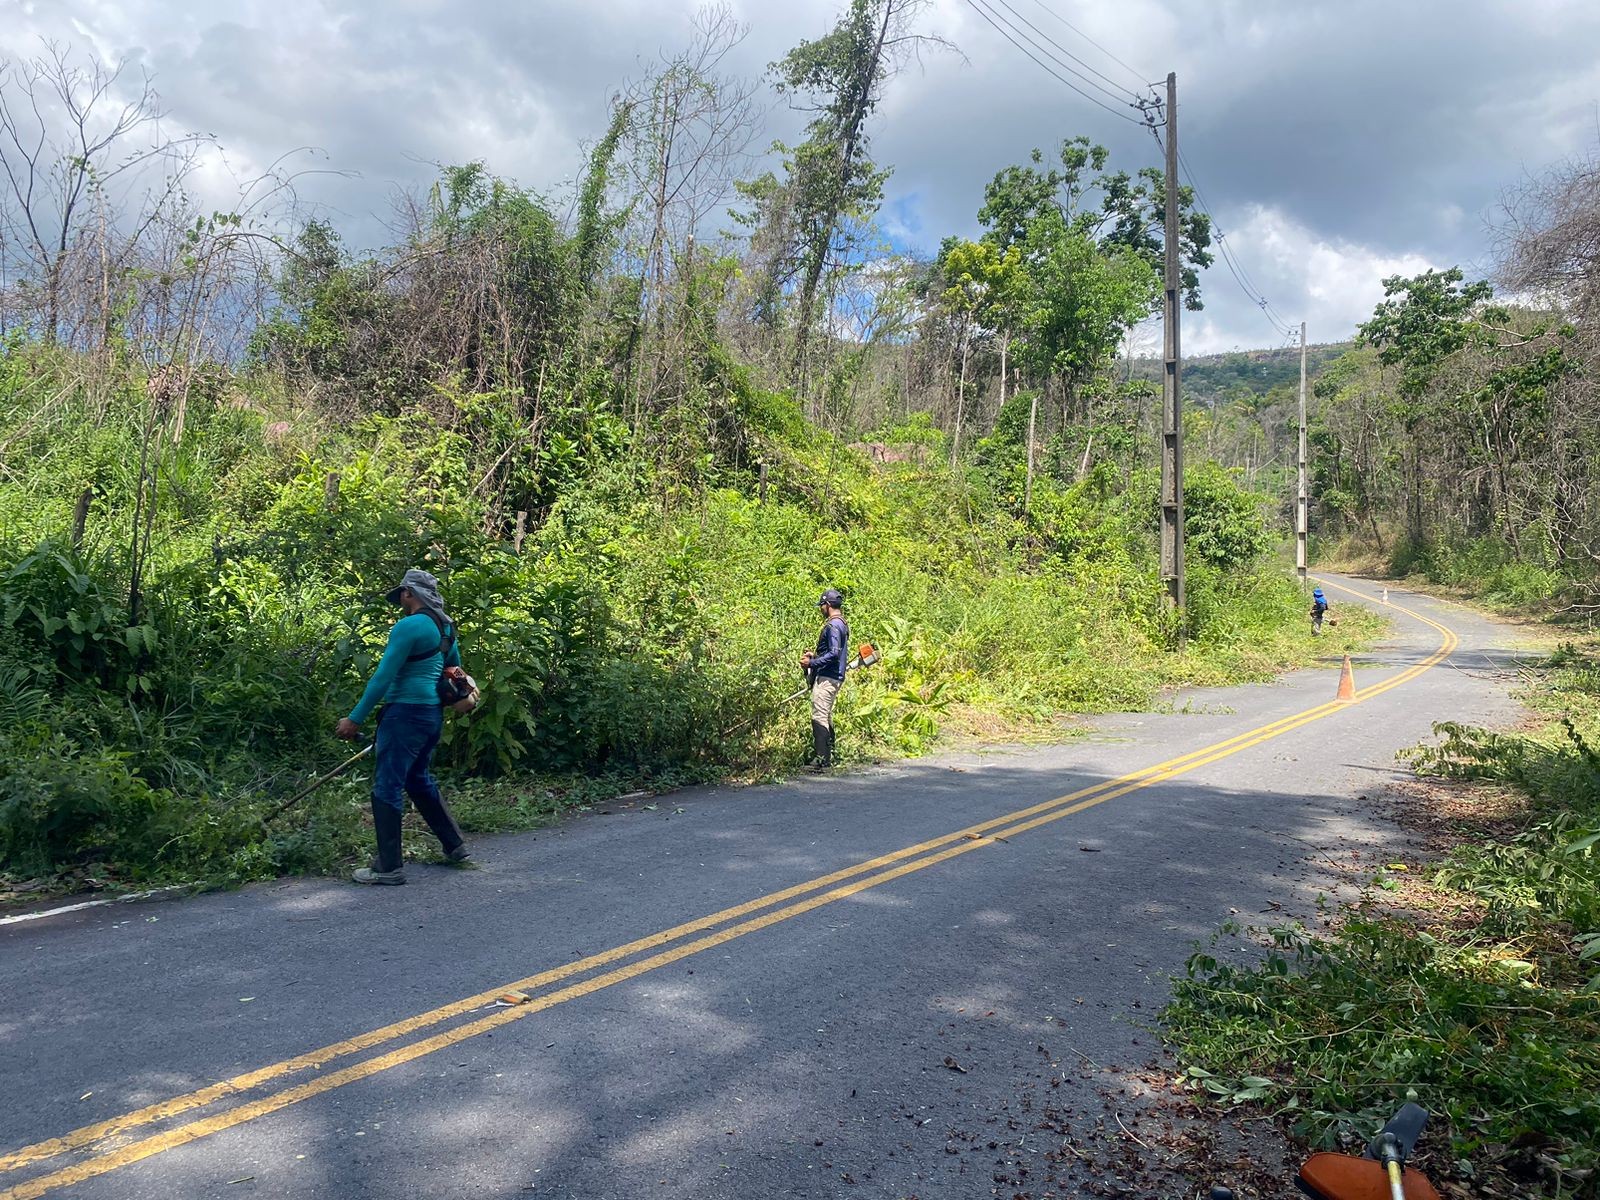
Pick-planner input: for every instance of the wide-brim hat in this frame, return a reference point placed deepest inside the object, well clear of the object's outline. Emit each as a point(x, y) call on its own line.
point(420, 583)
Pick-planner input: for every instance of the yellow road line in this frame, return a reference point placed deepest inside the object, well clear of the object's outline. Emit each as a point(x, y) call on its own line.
point(966, 840)
point(239, 1084)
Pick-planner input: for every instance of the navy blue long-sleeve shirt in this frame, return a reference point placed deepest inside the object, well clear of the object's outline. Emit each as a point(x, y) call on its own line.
point(833, 650)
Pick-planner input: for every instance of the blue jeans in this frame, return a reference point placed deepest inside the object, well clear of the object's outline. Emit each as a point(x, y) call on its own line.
point(407, 737)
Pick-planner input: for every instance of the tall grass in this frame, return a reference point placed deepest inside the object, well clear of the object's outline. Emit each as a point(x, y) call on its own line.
point(647, 631)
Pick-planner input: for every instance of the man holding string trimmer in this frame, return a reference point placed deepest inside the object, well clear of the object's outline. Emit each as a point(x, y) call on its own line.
point(825, 668)
point(422, 647)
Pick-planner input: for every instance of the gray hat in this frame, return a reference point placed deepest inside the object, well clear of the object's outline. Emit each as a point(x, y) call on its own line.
point(422, 585)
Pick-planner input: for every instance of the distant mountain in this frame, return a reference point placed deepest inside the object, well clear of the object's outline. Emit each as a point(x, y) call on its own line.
point(1246, 375)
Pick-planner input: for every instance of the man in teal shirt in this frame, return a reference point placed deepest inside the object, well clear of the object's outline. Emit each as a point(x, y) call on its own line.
point(421, 645)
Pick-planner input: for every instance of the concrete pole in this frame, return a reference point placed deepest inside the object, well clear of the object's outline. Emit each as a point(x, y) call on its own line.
point(1302, 524)
point(1171, 396)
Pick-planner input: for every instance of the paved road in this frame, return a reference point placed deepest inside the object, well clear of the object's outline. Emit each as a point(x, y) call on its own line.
point(741, 993)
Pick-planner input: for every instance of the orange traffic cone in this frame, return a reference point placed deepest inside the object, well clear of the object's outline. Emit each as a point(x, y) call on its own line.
point(1347, 683)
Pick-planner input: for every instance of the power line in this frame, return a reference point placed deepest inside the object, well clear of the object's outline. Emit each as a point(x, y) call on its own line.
point(1022, 41)
point(1235, 268)
point(1011, 35)
point(1116, 91)
point(1149, 110)
point(1279, 325)
point(1141, 76)
point(1246, 281)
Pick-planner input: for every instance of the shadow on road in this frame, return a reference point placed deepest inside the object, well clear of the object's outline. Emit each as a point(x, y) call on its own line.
point(879, 1042)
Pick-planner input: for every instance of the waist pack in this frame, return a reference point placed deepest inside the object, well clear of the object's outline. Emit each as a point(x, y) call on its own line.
point(454, 685)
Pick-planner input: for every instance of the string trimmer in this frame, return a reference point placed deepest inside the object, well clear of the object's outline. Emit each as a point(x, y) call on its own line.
point(866, 656)
point(318, 782)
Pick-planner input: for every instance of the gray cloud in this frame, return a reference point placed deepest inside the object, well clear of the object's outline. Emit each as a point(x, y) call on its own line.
point(1335, 141)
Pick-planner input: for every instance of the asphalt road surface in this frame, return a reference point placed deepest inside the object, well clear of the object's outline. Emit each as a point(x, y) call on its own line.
point(831, 987)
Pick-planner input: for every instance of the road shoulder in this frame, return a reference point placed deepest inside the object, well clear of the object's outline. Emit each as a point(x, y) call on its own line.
point(1478, 919)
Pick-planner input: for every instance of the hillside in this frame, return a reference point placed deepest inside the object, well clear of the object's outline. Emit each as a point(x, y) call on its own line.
point(1248, 376)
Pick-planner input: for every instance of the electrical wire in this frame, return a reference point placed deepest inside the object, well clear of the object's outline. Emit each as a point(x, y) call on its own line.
point(1246, 281)
point(1230, 260)
point(1279, 325)
point(1140, 76)
point(1011, 35)
point(1150, 116)
point(1116, 91)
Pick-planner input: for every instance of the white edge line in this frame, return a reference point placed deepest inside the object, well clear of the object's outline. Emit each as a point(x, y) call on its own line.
point(67, 908)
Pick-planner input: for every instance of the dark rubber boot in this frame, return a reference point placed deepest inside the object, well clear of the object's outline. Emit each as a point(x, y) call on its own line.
point(388, 866)
point(437, 814)
point(822, 745)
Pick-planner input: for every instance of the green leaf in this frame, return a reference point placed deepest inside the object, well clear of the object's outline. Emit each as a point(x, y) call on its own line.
point(1582, 844)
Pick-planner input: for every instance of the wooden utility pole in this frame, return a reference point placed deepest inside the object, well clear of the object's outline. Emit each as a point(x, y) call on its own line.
point(80, 518)
point(1302, 524)
point(961, 402)
point(1171, 396)
point(1027, 486)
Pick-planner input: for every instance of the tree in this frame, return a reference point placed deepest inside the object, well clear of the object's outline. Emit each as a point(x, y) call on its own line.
point(984, 289)
point(831, 182)
point(688, 135)
point(1549, 243)
point(1081, 301)
point(1421, 322)
point(1112, 209)
point(66, 141)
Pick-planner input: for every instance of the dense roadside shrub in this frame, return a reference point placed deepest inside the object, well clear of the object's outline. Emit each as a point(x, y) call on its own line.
point(648, 630)
point(1490, 569)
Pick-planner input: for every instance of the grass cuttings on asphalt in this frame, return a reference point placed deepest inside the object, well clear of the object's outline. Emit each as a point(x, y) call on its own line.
point(1473, 984)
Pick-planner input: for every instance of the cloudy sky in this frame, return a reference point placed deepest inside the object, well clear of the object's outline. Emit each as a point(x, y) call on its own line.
point(1335, 141)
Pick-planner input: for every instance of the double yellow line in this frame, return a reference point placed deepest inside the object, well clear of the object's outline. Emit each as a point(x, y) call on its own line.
point(108, 1151)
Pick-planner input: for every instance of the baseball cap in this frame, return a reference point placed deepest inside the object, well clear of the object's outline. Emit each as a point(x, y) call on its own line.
point(833, 597)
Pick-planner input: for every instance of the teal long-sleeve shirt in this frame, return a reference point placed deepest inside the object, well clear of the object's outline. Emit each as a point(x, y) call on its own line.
point(397, 681)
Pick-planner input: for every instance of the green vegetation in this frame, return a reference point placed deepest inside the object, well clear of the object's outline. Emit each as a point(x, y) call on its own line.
point(1456, 442)
point(1482, 996)
point(634, 453)
point(633, 626)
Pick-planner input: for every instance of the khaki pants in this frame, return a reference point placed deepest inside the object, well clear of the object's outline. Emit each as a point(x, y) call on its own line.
point(823, 693)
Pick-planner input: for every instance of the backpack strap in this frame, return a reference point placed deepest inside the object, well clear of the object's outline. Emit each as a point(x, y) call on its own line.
point(447, 635)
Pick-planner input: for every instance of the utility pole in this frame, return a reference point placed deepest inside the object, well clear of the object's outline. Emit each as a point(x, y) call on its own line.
point(1171, 397)
point(1302, 523)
